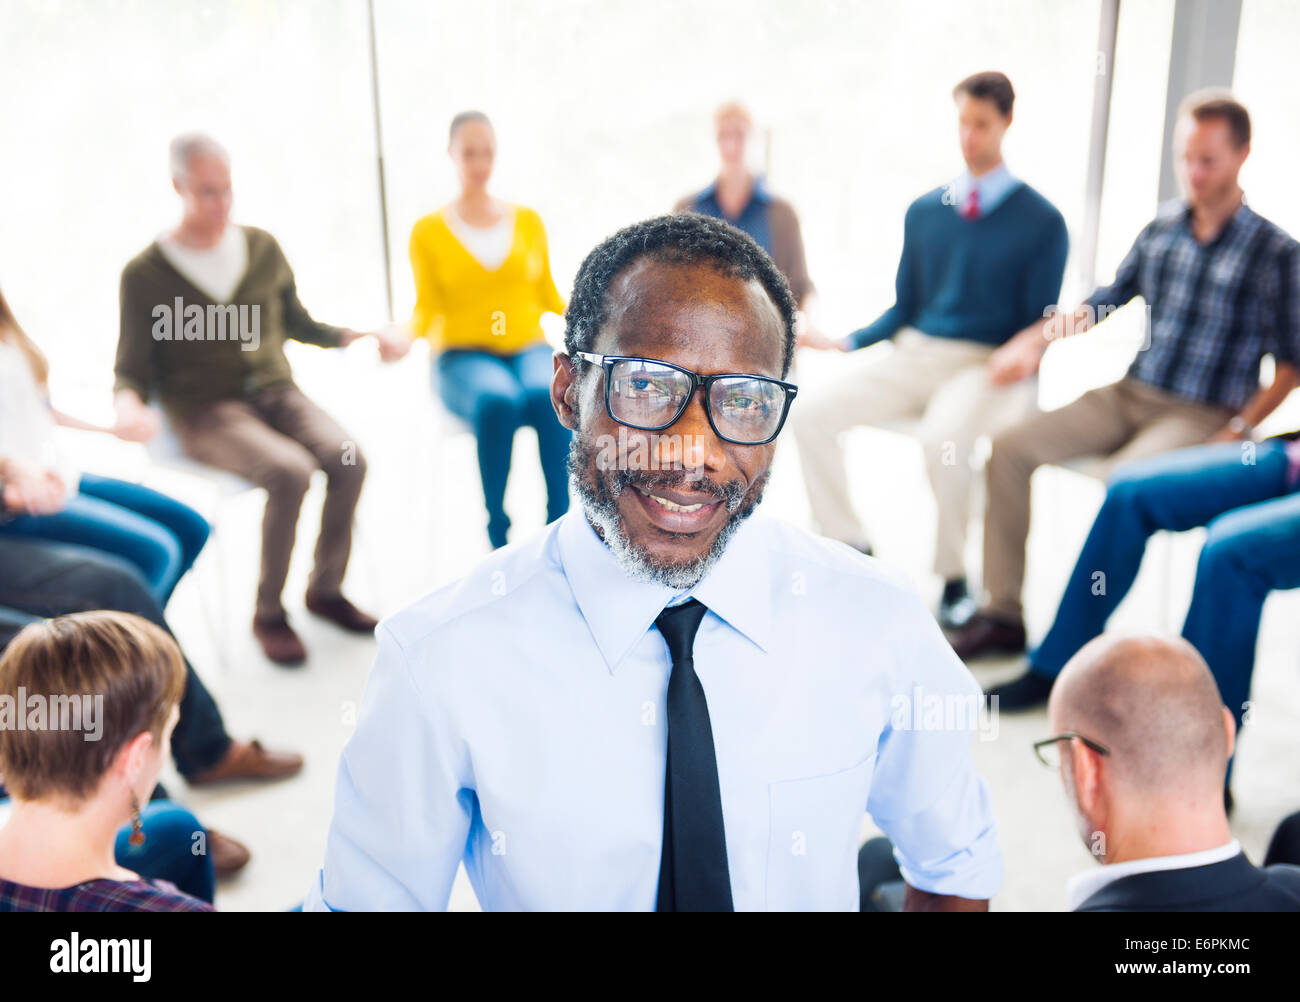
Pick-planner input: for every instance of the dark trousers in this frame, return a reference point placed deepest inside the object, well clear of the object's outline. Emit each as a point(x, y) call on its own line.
point(39, 579)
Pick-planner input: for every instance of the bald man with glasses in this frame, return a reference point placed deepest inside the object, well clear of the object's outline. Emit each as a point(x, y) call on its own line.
point(1142, 741)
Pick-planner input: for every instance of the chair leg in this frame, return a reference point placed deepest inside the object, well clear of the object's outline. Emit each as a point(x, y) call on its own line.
point(214, 605)
point(1166, 542)
point(367, 556)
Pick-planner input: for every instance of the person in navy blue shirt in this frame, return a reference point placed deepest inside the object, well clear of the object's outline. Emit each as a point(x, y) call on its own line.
point(742, 199)
point(983, 256)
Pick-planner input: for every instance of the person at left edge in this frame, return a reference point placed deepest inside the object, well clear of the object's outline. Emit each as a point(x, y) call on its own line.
point(522, 719)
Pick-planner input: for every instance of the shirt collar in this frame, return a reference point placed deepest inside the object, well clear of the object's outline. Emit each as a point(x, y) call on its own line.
point(993, 187)
point(619, 609)
point(1084, 885)
point(1242, 216)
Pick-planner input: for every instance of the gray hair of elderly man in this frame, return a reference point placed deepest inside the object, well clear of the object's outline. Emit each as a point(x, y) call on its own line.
point(189, 145)
point(1153, 702)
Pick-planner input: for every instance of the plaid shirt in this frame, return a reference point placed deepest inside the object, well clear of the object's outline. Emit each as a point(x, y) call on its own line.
point(101, 895)
point(1215, 309)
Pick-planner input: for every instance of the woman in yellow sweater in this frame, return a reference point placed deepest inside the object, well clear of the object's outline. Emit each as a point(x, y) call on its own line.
point(482, 282)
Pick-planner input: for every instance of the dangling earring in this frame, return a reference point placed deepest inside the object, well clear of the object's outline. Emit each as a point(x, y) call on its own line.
point(137, 827)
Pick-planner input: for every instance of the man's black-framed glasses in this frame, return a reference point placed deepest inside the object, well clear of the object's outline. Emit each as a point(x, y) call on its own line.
point(1049, 749)
point(651, 395)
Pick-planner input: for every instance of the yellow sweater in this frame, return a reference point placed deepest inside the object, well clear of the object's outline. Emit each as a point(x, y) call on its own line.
point(460, 304)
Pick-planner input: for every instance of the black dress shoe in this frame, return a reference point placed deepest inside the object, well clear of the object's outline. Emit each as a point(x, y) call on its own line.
point(956, 607)
point(985, 636)
point(1028, 692)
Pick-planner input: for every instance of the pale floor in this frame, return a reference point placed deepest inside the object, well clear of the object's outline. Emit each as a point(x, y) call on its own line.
point(420, 525)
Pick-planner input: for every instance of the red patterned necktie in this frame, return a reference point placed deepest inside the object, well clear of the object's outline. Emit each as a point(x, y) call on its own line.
point(972, 209)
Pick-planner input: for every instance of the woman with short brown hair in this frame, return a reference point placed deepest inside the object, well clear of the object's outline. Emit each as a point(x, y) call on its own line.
point(87, 705)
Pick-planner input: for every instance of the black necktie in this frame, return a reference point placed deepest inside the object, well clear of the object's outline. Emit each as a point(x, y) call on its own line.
point(693, 874)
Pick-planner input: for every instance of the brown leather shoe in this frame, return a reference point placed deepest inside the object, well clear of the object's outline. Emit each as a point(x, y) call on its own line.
point(985, 636)
point(341, 612)
point(279, 642)
point(228, 856)
point(249, 760)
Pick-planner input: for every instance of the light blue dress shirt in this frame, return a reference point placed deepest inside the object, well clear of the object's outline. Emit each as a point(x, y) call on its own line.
point(515, 721)
point(993, 187)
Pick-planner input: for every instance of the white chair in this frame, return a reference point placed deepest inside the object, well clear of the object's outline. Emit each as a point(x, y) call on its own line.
point(1094, 467)
point(164, 451)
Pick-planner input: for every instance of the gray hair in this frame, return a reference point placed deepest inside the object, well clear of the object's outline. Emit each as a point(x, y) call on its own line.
point(184, 147)
point(599, 487)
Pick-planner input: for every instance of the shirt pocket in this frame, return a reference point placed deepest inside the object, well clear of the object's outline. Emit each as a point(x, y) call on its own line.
point(816, 823)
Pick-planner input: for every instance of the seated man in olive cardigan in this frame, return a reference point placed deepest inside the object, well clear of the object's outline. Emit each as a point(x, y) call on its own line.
point(206, 310)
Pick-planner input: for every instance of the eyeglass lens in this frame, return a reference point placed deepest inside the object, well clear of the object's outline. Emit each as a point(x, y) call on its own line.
point(647, 394)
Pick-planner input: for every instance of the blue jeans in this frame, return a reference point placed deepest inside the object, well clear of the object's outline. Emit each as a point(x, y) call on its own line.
point(169, 847)
point(1252, 547)
point(157, 534)
point(497, 394)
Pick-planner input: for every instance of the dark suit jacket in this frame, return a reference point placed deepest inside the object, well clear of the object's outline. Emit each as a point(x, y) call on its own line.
point(1234, 885)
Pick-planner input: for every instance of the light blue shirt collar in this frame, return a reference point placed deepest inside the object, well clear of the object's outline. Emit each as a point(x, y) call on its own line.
point(489, 736)
point(993, 187)
point(619, 609)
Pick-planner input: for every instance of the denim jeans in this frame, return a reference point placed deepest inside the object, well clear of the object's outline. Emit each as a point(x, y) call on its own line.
point(496, 395)
point(169, 850)
point(159, 535)
point(1252, 547)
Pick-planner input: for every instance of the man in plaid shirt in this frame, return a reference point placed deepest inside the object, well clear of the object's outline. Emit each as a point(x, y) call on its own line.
point(1222, 289)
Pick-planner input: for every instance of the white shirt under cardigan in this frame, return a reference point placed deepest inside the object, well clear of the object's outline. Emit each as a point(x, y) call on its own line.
point(215, 271)
point(488, 245)
point(516, 721)
point(1084, 885)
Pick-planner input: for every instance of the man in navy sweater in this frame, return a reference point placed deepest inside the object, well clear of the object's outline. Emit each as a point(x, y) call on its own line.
point(1221, 284)
point(982, 258)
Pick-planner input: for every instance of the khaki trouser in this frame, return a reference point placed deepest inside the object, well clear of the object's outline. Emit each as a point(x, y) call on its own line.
point(276, 439)
point(942, 383)
point(1123, 421)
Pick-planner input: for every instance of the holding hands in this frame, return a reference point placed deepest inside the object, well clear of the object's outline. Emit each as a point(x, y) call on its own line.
point(394, 343)
point(30, 488)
